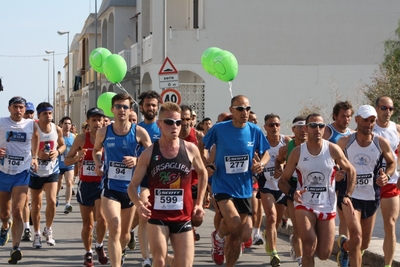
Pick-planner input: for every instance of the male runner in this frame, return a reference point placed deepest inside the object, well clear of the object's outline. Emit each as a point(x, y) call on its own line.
point(121, 142)
point(236, 142)
point(19, 143)
point(89, 188)
point(170, 208)
point(315, 198)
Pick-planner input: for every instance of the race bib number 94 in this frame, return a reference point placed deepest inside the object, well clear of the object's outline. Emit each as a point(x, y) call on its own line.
point(236, 164)
point(119, 171)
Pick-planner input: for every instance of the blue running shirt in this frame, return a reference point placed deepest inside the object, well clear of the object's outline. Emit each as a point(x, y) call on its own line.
point(234, 156)
point(117, 174)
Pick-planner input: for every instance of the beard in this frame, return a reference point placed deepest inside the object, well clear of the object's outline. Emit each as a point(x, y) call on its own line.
point(149, 115)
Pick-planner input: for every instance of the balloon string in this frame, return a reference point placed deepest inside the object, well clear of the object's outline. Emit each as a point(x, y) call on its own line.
point(230, 88)
point(123, 89)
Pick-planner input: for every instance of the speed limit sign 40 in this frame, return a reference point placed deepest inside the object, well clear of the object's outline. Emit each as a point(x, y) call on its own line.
point(171, 95)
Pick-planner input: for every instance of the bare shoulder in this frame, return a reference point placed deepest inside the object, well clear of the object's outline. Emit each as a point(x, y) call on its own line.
point(286, 139)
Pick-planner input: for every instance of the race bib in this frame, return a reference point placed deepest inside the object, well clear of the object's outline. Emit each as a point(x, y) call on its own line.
point(44, 165)
point(168, 199)
point(13, 162)
point(315, 195)
point(364, 182)
point(119, 171)
point(236, 164)
point(88, 168)
point(269, 173)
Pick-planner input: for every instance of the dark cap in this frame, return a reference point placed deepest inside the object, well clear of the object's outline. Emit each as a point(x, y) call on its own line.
point(17, 100)
point(94, 111)
point(30, 106)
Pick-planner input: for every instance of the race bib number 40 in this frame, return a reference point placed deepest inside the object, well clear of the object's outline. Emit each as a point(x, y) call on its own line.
point(236, 164)
point(88, 168)
point(119, 171)
point(168, 199)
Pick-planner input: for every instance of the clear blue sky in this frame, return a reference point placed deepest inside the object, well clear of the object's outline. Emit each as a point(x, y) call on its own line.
point(28, 28)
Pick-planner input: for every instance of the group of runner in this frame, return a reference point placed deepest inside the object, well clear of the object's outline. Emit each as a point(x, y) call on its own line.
point(154, 175)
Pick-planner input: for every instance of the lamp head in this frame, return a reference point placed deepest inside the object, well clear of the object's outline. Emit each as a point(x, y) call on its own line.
point(62, 32)
point(49, 51)
point(45, 59)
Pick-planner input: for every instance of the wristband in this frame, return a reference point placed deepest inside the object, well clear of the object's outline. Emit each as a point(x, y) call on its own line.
point(291, 193)
point(349, 197)
point(211, 167)
point(35, 157)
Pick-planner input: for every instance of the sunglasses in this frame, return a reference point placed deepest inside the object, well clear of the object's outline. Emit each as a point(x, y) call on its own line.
point(314, 125)
point(171, 122)
point(119, 106)
point(384, 108)
point(240, 108)
point(272, 124)
point(29, 112)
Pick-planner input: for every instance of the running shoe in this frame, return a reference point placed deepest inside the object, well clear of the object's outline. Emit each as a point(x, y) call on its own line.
point(257, 240)
point(37, 241)
point(292, 251)
point(275, 261)
point(5, 234)
point(132, 243)
point(27, 235)
point(123, 256)
point(284, 224)
point(217, 251)
point(266, 245)
point(68, 208)
point(15, 255)
point(300, 261)
point(146, 262)
point(343, 255)
point(88, 259)
point(248, 243)
point(196, 235)
point(48, 233)
point(101, 255)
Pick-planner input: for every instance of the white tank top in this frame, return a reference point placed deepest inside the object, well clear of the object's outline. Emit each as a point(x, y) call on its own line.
point(16, 137)
point(364, 160)
point(269, 169)
point(391, 134)
point(316, 173)
point(47, 167)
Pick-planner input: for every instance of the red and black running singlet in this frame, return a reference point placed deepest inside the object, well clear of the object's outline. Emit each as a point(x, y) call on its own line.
point(87, 173)
point(193, 139)
point(170, 185)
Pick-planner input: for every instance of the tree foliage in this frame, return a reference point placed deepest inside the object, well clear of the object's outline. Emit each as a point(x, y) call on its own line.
point(386, 80)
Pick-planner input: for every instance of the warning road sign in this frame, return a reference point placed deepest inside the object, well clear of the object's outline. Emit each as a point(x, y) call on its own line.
point(171, 95)
point(168, 75)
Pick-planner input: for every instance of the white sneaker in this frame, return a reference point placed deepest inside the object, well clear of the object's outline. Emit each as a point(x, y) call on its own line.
point(48, 233)
point(37, 241)
point(292, 252)
point(257, 240)
point(146, 262)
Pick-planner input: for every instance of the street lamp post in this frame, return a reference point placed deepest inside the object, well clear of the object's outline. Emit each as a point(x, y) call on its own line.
point(54, 84)
point(68, 68)
point(48, 78)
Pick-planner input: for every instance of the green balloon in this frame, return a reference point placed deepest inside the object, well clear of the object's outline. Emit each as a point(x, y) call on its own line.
point(97, 57)
point(115, 68)
point(207, 58)
point(225, 66)
point(104, 102)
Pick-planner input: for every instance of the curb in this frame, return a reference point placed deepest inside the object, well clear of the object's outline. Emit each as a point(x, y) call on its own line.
point(369, 258)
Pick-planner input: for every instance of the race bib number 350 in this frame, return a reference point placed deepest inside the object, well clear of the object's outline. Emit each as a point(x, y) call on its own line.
point(236, 164)
point(168, 199)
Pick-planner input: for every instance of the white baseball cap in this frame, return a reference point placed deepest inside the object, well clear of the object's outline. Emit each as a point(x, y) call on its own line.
point(366, 111)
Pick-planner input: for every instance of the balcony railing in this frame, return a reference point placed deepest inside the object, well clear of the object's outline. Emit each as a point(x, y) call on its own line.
point(134, 56)
point(147, 48)
point(126, 54)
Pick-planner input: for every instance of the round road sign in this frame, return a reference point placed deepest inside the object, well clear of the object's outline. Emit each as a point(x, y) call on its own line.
point(171, 95)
